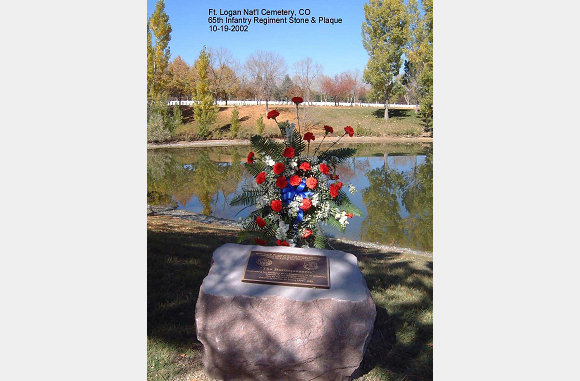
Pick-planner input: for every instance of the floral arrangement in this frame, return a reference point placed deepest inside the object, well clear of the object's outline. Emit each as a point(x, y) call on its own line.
point(295, 193)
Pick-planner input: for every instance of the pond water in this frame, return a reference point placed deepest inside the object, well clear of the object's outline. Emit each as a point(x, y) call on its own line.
point(394, 183)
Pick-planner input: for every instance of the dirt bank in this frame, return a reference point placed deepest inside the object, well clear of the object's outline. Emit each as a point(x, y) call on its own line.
point(241, 142)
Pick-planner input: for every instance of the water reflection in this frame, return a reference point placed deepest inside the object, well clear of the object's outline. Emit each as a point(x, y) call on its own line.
point(395, 184)
point(178, 178)
point(399, 204)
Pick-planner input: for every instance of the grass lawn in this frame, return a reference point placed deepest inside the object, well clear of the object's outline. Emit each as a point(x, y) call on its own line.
point(178, 258)
point(367, 121)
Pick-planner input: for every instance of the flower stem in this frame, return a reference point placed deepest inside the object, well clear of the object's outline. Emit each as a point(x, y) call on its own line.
point(298, 119)
point(316, 150)
point(332, 145)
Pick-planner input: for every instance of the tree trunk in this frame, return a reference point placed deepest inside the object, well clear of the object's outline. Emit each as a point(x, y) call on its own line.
point(386, 157)
point(266, 107)
point(387, 109)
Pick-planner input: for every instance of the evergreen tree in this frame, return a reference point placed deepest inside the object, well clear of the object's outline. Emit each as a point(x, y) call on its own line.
point(205, 111)
point(284, 91)
point(385, 35)
point(260, 124)
point(235, 122)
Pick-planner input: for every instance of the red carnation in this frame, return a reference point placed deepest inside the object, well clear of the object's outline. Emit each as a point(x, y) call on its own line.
point(273, 114)
point(282, 243)
point(297, 100)
point(306, 204)
point(261, 178)
point(307, 233)
point(281, 182)
point(329, 130)
point(260, 241)
point(334, 177)
point(349, 131)
point(350, 215)
point(324, 168)
point(333, 189)
point(289, 152)
point(250, 158)
point(311, 182)
point(276, 205)
point(260, 221)
point(278, 168)
point(295, 180)
point(305, 166)
point(309, 136)
point(339, 184)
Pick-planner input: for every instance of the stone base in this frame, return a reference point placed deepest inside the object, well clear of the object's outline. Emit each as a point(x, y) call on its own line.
point(270, 332)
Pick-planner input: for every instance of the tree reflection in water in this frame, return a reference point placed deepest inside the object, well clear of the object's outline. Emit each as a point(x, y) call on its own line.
point(400, 206)
point(171, 177)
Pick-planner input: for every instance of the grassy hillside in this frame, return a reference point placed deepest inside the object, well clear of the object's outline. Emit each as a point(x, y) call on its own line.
point(367, 121)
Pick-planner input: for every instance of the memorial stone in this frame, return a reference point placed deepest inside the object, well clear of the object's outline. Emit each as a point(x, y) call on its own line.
point(266, 331)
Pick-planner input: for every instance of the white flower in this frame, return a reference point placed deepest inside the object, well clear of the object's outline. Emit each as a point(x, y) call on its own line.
point(314, 199)
point(351, 188)
point(282, 230)
point(268, 160)
point(341, 217)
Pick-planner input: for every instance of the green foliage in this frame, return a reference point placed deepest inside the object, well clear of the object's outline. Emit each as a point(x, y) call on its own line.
point(426, 98)
point(343, 202)
point(420, 53)
point(150, 63)
point(320, 239)
point(261, 125)
point(265, 146)
point(295, 140)
point(204, 110)
point(160, 122)
point(235, 122)
point(177, 118)
point(156, 131)
point(335, 224)
point(158, 53)
point(255, 168)
point(385, 34)
point(336, 156)
point(247, 197)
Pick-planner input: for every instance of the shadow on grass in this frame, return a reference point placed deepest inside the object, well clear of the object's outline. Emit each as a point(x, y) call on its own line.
point(380, 113)
point(401, 288)
point(403, 333)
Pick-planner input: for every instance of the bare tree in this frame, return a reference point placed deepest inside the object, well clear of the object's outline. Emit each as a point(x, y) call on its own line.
point(357, 83)
point(266, 69)
point(222, 66)
point(306, 72)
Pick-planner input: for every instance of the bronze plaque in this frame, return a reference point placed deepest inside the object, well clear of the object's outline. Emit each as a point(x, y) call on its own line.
point(287, 269)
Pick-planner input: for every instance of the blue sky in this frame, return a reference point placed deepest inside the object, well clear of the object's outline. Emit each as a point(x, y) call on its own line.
point(336, 47)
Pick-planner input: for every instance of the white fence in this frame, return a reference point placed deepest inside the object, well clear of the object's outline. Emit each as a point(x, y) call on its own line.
point(393, 106)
